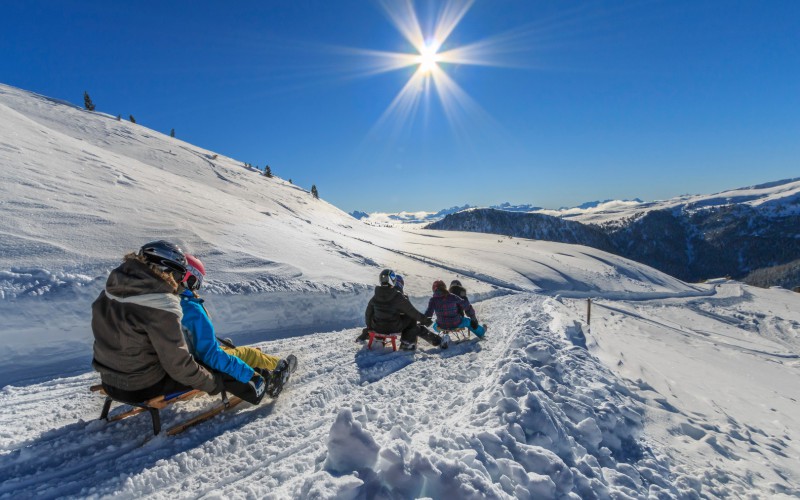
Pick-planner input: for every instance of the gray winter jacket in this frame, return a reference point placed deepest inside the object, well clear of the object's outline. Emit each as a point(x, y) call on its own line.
point(138, 339)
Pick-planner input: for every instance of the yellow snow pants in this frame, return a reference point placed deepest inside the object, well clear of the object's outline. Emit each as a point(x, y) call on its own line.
point(253, 357)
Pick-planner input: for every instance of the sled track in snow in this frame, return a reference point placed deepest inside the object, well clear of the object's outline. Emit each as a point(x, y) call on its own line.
point(523, 413)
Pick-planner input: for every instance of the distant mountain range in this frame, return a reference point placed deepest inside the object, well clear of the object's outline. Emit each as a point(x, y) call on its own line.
point(733, 233)
point(428, 217)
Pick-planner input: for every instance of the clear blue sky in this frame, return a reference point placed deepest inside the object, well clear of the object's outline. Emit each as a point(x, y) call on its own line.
point(600, 100)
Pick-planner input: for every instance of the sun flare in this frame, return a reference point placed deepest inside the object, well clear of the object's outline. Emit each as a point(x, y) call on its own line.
point(431, 51)
point(428, 58)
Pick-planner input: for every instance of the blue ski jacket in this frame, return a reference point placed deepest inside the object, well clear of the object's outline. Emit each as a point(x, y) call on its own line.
point(202, 340)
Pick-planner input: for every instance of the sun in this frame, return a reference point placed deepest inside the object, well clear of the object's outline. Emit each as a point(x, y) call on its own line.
point(428, 58)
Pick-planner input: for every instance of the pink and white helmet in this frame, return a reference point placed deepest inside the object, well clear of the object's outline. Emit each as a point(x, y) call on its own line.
point(195, 272)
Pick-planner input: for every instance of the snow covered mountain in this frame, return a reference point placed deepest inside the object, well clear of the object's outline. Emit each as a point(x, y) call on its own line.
point(405, 217)
point(672, 391)
point(693, 238)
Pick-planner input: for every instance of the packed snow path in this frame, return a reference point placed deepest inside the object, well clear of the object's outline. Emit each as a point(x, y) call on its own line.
point(523, 413)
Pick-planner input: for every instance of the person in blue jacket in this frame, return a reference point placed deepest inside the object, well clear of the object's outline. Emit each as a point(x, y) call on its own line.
point(240, 363)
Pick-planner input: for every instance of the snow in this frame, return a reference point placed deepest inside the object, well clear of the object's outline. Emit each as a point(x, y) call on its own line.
point(674, 390)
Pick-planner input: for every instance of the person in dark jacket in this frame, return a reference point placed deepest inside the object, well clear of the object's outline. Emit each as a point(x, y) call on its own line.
point(139, 347)
point(450, 310)
point(456, 288)
point(389, 311)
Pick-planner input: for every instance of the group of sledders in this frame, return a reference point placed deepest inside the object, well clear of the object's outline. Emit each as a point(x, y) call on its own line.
point(390, 312)
point(153, 336)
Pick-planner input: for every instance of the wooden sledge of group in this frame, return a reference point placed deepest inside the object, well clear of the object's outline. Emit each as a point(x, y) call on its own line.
point(155, 405)
point(386, 338)
point(457, 335)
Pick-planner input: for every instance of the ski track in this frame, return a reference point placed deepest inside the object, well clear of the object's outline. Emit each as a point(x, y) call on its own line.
point(522, 413)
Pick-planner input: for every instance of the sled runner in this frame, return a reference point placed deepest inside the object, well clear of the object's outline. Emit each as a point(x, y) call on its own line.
point(386, 338)
point(153, 406)
point(457, 335)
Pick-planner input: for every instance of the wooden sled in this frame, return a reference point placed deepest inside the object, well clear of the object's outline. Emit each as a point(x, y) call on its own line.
point(386, 338)
point(153, 406)
point(457, 335)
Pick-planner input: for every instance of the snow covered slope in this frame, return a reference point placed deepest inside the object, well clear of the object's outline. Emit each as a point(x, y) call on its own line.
point(78, 190)
point(675, 391)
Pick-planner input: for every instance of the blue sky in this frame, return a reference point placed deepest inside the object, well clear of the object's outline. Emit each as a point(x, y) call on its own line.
point(594, 100)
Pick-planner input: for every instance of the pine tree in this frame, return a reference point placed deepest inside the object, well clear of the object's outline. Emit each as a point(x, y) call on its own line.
point(133, 120)
point(314, 191)
point(87, 101)
point(172, 133)
point(119, 117)
point(290, 181)
point(267, 171)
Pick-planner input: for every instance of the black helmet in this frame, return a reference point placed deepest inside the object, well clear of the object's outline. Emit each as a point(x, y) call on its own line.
point(455, 283)
point(388, 277)
point(165, 254)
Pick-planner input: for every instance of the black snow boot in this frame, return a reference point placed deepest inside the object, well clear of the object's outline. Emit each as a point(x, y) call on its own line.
point(407, 346)
point(364, 335)
point(280, 375)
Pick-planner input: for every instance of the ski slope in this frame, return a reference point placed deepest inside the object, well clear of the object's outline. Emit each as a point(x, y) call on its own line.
point(674, 390)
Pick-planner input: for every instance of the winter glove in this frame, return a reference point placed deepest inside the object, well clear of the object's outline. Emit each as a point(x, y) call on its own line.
point(473, 323)
point(219, 385)
point(426, 321)
point(227, 342)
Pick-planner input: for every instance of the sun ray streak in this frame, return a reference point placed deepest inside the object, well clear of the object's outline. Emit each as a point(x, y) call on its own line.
point(373, 62)
point(403, 16)
point(406, 102)
point(451, 14)
point(457, 104)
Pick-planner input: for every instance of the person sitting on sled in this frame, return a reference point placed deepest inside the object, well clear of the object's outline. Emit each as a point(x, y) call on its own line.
point(389, 311)
point(139, 347)
point(457, 289)
point(241, 363)
point(450, 311)
point(400, 283)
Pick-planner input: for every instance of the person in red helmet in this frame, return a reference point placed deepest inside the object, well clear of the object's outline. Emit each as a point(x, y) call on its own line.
point(241, 363)
point(450, 310)
point(456, 288)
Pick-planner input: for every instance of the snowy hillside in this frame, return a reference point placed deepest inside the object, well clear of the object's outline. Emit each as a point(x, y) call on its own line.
point(674, 391)
point(80, 189)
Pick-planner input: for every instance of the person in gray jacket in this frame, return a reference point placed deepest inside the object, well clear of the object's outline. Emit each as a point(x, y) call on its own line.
point(139, 347)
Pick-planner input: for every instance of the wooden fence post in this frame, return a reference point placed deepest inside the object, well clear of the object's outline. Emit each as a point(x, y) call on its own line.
point(589, 312)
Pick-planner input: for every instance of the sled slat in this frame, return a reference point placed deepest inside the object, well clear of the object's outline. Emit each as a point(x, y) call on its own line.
point(204, 416)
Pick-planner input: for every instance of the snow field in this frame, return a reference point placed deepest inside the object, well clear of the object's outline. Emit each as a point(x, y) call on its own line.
point(719, 380)
point(524, 413)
